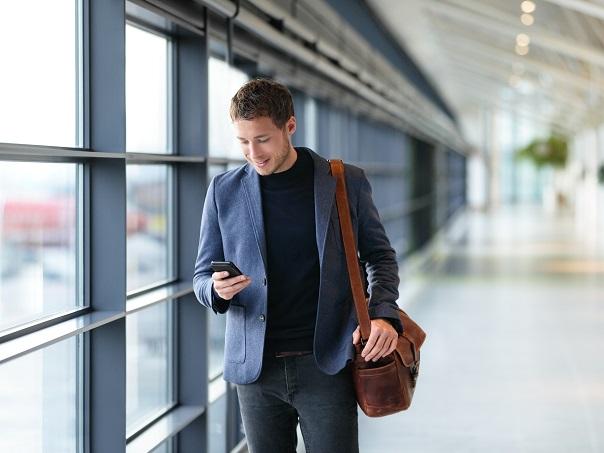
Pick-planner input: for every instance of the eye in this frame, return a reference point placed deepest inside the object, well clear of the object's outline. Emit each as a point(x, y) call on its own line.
point(263, 140)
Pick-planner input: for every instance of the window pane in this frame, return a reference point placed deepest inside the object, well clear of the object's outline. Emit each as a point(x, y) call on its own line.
point(216, 328)
point(38, 241)
point(165, 447)
point(217, 421)
point(224, 81)
point(148, 220)
point(38, 80)
point(147, 92)
point(39, 397)
point(149, 369)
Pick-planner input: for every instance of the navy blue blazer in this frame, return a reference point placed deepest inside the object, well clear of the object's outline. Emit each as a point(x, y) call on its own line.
point(232, 229)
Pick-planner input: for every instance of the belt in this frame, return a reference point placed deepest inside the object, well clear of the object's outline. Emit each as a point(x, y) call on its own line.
point(291, 353)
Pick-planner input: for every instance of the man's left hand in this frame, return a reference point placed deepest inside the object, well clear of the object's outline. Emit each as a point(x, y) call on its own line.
point(382, 340)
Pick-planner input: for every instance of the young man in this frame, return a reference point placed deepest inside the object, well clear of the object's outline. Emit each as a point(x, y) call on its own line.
point(290, 324)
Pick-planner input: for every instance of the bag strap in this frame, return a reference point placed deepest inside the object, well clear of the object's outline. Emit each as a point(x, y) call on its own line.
point(352, 259)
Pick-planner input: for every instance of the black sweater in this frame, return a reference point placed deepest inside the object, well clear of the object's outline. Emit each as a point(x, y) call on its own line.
point(292, 256)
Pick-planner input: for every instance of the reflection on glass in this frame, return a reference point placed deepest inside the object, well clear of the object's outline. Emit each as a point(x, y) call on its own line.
point(38, 241)
point(38, 80)
point(224, 81)
point(148, 244)
point(148, 367)
point(39, 400)
point(147, 88)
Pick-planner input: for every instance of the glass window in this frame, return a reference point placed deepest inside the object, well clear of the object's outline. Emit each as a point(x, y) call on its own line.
point(149, 234)
point(224, 81)
point(217, 420)
point(165, 447)
point(148, 100)
point(40, 72)
point(216, 329)
point(39, 241)
point(149, 355)
point(40, 397)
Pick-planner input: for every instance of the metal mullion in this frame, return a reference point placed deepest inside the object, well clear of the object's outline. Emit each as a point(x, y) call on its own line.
point(224, 161)
point(22, 344)
point(41, 323)
point(164, 428)
point(157, 295)
point(17, 151)
point(151, 158)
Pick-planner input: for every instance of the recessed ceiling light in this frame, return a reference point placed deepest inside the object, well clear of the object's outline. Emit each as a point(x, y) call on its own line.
point(523, 39)
point(527, 19)
point(527, 6)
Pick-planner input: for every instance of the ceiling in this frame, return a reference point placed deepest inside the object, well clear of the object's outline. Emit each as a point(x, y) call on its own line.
point(469, 50)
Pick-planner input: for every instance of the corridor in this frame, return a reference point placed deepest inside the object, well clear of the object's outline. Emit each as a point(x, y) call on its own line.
point(514, 358)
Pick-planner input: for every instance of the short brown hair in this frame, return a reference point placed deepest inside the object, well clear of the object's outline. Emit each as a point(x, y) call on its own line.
point(262, 97)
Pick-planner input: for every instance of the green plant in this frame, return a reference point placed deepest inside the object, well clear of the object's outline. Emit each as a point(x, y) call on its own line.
point(552, 151)
point(601, 174)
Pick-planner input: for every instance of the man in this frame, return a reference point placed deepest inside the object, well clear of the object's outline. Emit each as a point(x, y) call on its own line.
point(290, 324)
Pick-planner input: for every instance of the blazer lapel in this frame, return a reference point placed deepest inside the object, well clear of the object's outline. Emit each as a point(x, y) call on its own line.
point(325, 189)
point(253, 197)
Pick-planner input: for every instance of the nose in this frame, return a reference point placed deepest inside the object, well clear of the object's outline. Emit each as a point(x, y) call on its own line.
point(252, 150)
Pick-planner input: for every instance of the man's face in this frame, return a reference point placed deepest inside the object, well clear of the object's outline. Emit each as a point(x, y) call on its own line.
point(265, 146)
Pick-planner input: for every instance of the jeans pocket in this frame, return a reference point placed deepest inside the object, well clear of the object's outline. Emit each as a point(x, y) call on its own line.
point(234, 348)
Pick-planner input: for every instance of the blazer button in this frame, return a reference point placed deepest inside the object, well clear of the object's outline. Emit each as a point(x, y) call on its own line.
point(261, 318)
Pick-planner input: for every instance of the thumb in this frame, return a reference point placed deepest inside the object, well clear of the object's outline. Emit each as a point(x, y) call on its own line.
point(356, 335)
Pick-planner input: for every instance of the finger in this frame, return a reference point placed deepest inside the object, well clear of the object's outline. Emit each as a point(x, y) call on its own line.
point(226, 282)
point(236, 279)
point(393, 345)
point(356, 335)
point(370, 343)
point(234, 289)
point(389, 347)
point(377, 347)
point(217, 276)
point(384, 351)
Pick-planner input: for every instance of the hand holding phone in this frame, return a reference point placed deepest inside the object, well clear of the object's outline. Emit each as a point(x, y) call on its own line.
point(228, 279)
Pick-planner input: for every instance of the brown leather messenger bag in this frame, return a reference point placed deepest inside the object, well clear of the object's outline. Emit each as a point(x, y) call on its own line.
point(386, 386)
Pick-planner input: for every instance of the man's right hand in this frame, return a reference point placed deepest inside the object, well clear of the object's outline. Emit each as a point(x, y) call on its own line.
point(227, 287)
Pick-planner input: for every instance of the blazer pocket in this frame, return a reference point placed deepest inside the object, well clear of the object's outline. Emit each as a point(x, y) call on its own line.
point(234, 348)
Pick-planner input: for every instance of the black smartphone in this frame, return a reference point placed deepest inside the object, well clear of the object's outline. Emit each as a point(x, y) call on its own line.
point(221, 266)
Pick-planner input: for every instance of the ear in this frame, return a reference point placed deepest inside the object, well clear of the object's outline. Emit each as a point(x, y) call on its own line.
point(291, 125)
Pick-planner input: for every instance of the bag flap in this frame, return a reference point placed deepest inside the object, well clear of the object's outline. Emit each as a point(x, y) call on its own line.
point(410, 341)
point(411, 330)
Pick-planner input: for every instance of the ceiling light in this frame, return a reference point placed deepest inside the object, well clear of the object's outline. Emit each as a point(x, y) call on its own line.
point(527, 6)
point(521, 50)
point(527, 19)
point(523, 39)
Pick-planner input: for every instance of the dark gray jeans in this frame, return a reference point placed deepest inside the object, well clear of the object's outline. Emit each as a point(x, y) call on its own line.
point(291, 389)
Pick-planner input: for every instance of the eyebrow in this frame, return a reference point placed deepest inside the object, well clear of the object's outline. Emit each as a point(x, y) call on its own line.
point(257, 136)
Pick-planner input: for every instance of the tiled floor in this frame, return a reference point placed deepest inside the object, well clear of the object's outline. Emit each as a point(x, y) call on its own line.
point(514, 359)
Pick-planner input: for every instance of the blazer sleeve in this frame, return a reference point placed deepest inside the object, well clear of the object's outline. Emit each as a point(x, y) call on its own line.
point(379, 258)
point(210, 248)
